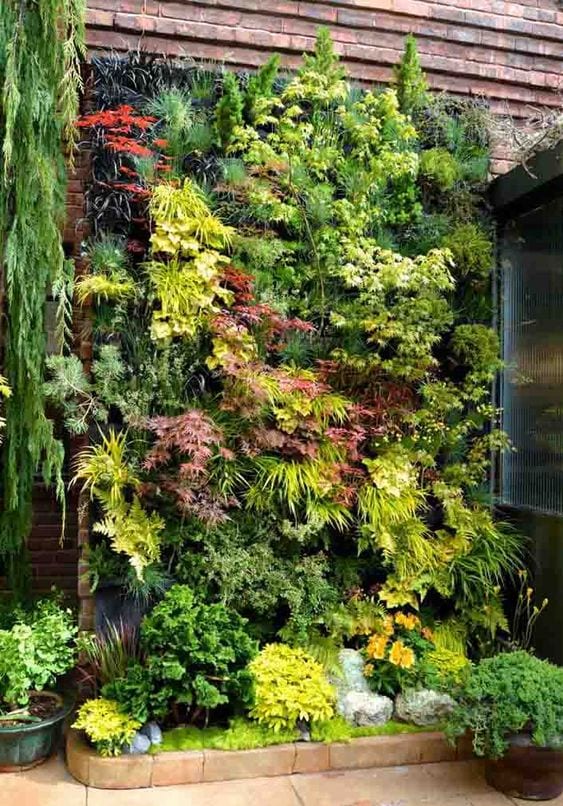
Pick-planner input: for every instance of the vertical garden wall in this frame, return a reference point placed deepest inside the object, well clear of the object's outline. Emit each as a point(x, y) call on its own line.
point(290, 399)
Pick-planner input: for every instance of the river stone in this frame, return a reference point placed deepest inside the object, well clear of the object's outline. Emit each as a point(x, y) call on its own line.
point(423, 706)
point(153, 732)
point(138, 745)
point(361, 708)
point(352, 679)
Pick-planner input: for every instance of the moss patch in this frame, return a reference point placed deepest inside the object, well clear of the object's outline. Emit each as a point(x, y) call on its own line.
point(338, 730)
point(245, 735)
point(240, 735)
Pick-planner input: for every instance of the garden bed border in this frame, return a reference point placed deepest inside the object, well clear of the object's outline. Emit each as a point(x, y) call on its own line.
point(198, 766)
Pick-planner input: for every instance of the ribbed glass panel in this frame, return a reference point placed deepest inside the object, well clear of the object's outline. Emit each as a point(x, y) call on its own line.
point(532, 388)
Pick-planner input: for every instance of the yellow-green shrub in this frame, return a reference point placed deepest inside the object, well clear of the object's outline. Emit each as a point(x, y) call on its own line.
point(107, 727)
point(289, 685)
point(448, 666)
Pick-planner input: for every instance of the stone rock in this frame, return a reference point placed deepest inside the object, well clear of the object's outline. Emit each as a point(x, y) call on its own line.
point(153, 732)
point(304, 729)
point(352, 679)
point(362, 708)
point(140, 744)
point(423, 706)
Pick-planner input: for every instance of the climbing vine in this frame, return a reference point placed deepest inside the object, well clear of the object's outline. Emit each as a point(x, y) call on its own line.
point(41, 44)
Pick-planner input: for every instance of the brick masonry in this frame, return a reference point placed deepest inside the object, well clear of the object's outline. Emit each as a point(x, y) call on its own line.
point(507, 52)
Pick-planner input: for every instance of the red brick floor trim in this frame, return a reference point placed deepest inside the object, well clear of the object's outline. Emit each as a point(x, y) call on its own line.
point(191, 767)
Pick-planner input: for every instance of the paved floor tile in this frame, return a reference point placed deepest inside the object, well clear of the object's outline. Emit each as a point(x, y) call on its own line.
point(254, 792)
point(46, 785)
point(444, 784)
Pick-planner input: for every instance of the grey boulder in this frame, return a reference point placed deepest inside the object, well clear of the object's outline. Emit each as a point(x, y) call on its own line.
point(362, 708)
point(152, 731)
point(423, 706)
point(138, 745)
point(352, 677)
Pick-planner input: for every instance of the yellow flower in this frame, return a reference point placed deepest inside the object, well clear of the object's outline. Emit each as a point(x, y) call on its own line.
point(408, 621)
point(368, 670)
point(388, 627)
point(376, 647)
point(401, 655)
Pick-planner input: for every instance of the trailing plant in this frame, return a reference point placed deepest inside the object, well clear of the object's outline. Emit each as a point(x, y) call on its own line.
point(41, 46)
point(289, 685)
point(107, 727)
point(507, 694)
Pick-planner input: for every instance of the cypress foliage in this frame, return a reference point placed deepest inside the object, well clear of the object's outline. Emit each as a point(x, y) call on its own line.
point(41, 43)
point(228, 114)
point(410, 81)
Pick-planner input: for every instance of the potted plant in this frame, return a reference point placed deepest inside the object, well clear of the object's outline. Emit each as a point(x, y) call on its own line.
point(38, 649)
point(513, 705)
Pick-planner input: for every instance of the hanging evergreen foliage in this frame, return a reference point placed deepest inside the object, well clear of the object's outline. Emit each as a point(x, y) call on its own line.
point(41, 44)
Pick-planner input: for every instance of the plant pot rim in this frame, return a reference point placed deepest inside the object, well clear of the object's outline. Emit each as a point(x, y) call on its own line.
point(31, 727)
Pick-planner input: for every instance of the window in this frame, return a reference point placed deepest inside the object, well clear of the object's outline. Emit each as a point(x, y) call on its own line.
point(532, 387)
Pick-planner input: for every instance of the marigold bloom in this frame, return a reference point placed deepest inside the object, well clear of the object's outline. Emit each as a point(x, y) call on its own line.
point(401, 655)
point(376, 647)
point(407, 620)
point(388, 627)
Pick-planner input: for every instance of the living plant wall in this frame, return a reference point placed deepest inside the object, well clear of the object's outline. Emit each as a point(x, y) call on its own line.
point(290, 401)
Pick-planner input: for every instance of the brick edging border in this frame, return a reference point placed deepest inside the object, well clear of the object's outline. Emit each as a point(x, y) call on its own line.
point(192, 767)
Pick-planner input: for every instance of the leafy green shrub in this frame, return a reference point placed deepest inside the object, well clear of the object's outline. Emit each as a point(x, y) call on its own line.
point(439, 167)
point(35, 652)
point(136, 693)
point(289, 685)
point(507, 694)
point(472, 250)
point(196, 653)
point(105, 724)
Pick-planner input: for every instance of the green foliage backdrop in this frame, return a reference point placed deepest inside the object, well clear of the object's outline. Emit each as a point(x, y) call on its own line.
point(293, 349)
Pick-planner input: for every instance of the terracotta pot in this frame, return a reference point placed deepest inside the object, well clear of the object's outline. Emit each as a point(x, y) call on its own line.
point(527, 771)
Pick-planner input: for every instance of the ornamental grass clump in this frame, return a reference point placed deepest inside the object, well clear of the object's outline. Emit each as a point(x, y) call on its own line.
point(289, 685)
point(510, 693)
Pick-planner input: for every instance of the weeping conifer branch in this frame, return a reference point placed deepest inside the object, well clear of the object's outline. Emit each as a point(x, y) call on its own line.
point(41, 45)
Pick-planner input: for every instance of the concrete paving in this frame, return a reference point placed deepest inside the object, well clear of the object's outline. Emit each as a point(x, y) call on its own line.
point(443, 784)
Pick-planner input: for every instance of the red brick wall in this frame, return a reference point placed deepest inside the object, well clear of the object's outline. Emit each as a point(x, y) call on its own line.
point(54, 557)
point(509, 52)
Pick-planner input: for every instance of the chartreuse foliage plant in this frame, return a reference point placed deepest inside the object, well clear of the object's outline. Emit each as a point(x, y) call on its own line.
point(507, 694)
point(41, 45)
point(106, 725)
point(289, 685)
point(295, 396)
